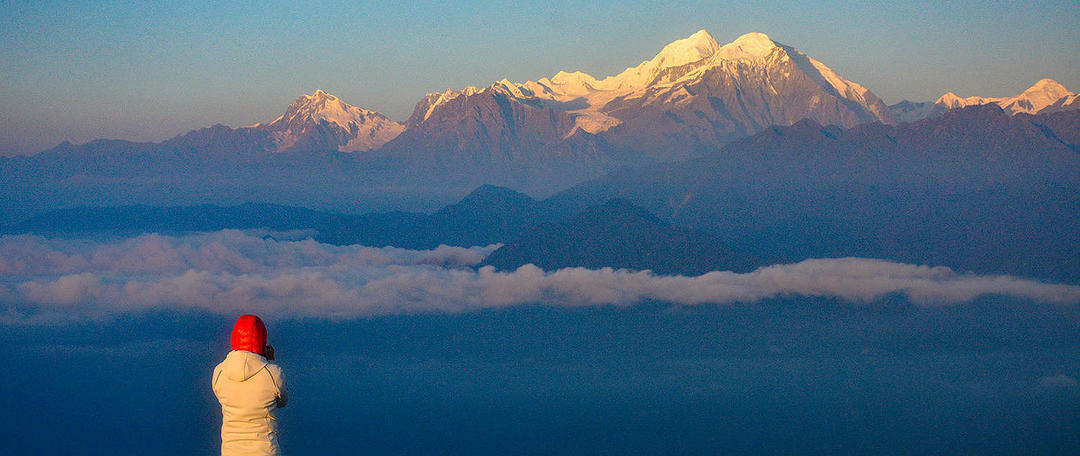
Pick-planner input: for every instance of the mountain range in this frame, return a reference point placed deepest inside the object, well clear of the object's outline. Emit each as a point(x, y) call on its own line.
point(975, 189)
point(540, 137)
point(750, 145)
point(694, 88)
point(1046, 96)
point(692, 96)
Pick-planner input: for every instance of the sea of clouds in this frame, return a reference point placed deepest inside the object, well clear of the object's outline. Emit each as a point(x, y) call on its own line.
point(231, 272)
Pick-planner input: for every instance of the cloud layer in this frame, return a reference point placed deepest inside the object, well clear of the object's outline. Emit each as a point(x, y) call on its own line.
point(231, 272)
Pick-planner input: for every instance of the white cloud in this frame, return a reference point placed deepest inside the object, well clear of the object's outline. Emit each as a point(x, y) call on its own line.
point(231, 272)
point(223, 251)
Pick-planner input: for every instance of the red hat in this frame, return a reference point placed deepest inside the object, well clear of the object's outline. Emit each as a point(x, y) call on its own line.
point(249, 334)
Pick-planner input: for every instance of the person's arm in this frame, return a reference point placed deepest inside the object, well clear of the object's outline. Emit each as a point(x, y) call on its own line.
point(214, 379)
point(282, 396)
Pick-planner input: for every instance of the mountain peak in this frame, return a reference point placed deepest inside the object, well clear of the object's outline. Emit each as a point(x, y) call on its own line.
point(488, 194)
point(687, 50)
point(754, 39)
point(950, 100)
point(1047, 88)
point(753, 69)
point(1047, 83)
point(701, 35)
point(322, 106)
point(699, 46)
point(1044, 93)
point(319, 96)
point(356, 129)
point(749, 46)
point(427, 105)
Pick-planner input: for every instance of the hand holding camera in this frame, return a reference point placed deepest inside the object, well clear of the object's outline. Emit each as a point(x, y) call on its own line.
point(269, 352)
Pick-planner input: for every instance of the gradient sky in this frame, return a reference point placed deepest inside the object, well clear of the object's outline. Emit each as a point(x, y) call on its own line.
point(128, 70)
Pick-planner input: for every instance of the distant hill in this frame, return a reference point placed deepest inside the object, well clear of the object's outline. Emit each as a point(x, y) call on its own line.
point(488, 215)
point(615, 234)
point(975, 189)
point(618, 234)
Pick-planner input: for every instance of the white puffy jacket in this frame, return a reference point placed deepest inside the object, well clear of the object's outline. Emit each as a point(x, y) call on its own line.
point(249, 389)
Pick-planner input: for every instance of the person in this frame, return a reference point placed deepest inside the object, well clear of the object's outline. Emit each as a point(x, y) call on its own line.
point(250, 388)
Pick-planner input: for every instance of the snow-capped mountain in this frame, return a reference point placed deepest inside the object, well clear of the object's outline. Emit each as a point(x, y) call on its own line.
point(487, 135)
point(671, 76)
point(426, 106)
point(1045, 96)
point(910, 111)
point(322, 121)
point(690, 99)
point(490, 120)
point(1044, 93)
point(693, 96)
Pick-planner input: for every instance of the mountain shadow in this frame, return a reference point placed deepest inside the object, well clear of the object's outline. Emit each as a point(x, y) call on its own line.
point(618, 234)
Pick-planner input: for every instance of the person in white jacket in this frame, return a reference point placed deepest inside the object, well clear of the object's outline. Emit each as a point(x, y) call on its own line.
point(249, 388)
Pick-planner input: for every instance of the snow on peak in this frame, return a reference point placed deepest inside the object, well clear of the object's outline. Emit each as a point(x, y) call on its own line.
point(950, 100)
point(695, 48)
point(1044, 93)
point(585, 96)
point(687, 50)
point(1047, 84)
point(700, 49)
point(753, 39)
point(363, 129)
point(434, 99)
point(563, 77)
point(680, 62)
point(322, 106)
point(749, 46)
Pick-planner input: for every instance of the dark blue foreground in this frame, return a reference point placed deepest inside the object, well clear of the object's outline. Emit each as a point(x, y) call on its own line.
point(799, 376)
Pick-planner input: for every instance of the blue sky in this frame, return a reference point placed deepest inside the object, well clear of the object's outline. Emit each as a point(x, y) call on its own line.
point(77, 71)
